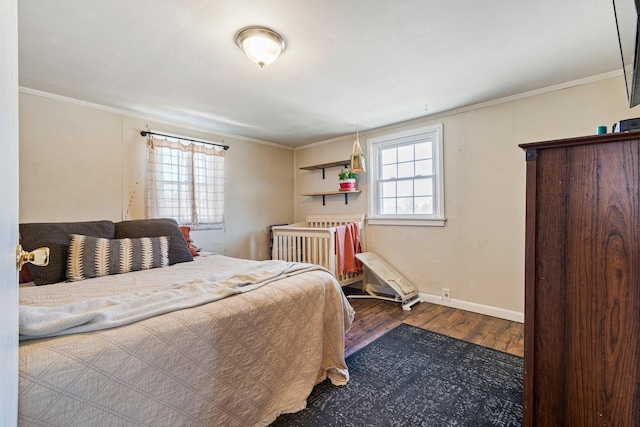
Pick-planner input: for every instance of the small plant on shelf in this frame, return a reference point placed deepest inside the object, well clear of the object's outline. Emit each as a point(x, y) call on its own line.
point(347, 174)
point(347, 179)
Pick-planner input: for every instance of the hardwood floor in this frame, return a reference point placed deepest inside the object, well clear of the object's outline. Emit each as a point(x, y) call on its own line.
point(375, 317)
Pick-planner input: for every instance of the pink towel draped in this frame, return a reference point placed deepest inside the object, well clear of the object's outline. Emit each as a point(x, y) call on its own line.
point(347, 246)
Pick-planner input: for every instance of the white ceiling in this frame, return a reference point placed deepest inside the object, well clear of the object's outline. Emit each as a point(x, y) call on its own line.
point(347, 62)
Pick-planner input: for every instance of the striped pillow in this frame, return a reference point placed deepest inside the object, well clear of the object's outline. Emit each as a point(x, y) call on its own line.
point(95, 256)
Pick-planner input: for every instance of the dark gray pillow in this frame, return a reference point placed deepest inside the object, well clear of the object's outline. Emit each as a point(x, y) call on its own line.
point(95, 257)
point(178, 250)
point(55, 236)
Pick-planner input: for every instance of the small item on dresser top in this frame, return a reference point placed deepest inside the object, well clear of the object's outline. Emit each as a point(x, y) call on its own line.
point(602, 130)
point(626, 125)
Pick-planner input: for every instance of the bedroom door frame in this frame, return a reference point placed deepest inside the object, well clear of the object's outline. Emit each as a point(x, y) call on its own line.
point(9, 186)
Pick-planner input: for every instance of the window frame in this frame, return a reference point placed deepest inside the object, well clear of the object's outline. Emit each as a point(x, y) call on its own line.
point(433, 133)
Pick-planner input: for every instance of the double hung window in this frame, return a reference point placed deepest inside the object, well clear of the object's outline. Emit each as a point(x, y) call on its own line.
point(407, 184)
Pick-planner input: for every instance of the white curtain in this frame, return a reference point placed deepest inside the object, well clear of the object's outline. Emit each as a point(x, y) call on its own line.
point(185, 182)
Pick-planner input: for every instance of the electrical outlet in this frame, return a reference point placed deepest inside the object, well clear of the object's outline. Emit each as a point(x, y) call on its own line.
point(446, 294)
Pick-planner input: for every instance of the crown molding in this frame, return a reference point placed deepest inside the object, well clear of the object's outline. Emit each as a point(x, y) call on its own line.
point(138, 115)
point(497, 101)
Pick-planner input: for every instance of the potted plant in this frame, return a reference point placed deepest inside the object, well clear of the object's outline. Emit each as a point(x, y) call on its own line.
point(347, 179)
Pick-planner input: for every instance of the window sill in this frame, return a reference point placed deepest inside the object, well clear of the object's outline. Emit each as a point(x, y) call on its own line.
point(413, 222)
point(199, 227)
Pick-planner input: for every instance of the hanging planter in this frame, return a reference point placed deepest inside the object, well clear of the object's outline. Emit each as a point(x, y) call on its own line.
point(347, 180)
point(357, 158)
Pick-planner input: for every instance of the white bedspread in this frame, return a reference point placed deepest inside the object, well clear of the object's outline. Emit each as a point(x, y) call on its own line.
point(238, 361)
point(37, 321)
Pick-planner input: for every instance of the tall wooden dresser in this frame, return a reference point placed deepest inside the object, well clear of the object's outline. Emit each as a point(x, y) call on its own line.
point(582, 282)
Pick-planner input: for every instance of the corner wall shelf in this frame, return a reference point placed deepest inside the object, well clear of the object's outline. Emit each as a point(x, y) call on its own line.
point(324, 166)
point(329, 193)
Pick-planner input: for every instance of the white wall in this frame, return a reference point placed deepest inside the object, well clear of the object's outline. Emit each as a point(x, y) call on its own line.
point(479, 254)
point(79, 162)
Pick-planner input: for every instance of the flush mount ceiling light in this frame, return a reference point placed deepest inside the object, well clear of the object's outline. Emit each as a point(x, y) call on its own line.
point(261, 45)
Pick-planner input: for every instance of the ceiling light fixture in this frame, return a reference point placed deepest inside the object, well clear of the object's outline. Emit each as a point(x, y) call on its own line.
point(261, 45)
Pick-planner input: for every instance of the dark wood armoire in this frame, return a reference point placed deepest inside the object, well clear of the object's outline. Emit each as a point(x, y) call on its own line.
point(582, 282)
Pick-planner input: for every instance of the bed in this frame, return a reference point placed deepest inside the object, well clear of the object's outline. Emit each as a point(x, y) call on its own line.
point(240, 360)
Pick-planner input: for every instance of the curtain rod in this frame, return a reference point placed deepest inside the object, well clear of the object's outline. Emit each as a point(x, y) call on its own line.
point(146, 132)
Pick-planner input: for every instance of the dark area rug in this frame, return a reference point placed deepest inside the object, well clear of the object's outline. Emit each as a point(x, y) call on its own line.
point(414, 377)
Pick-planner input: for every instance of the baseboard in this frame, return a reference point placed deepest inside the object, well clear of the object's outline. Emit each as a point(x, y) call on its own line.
point(501, 313)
